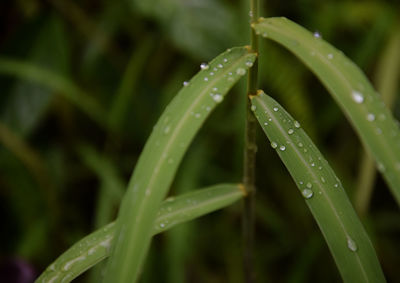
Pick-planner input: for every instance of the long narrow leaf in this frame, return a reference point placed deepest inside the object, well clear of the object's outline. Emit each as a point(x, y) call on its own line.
point(349, 243)
point(350, 88)
point(162, 155)
point(386, 81)
point(173, 211)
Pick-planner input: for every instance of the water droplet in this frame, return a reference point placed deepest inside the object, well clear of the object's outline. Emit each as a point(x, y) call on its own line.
point(317, 34)
point(167, 129)
point(225, 60)
point(300, 144)
point(336, 185)
point(275, 109)
point(330, 56)
point(206, 79)
point(307, 193)
point(266, 124)
point(309, 185)
point(249, 64)
point(296, 124)
point(381, 167)
point(323, 179)
point(282, 148)
point(290, 131)
point(358, 97)
point(251, 14)
point(378, 131)
point(211, 73)
point(274, 145)
point(240, 71)
point(215, 89)
point(312, 164)
point(162, 225)
point(218, 98)
point(265, 34)
point(197, 115)
point(185, 83)
point(204, 66)
point(220, 66)
point(208, 108)
point(351, 244)
point(370, 117)
point(253, 108)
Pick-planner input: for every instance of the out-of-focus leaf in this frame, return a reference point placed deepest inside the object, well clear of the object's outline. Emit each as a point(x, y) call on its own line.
point(26, 103)
point(200, 27)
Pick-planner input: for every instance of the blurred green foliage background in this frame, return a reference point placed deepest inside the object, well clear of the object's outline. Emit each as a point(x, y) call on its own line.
point(83, 82)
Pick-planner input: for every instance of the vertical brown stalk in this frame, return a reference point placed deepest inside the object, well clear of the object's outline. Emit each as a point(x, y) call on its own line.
point(250, 159)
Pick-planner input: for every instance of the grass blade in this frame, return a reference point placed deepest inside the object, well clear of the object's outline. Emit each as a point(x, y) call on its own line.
point(58, 83)
point(349, 243)
point(173, 211)
point(162, 155)
point(350, 88)
point(388, 70)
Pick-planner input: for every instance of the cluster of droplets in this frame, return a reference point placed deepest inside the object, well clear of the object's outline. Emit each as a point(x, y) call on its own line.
point(215, 95)
point(274, 145)
point(63, 273)
point(307, 188)
point(358, 97)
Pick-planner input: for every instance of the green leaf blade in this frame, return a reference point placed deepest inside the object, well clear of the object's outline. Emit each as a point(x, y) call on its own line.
point(96, 246)
point(349, 243)
point(162, 154)
point(350, 88)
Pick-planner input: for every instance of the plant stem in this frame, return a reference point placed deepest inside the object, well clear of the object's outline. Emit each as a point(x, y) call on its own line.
point(250, 159)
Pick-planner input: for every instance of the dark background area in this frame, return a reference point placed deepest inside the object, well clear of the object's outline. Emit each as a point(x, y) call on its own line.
point(64, 162)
